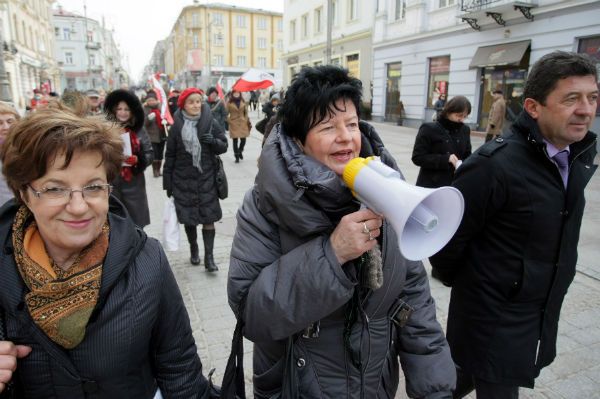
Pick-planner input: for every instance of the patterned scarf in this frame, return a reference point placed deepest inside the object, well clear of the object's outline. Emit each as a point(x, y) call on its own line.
point(189, 135)
point(60, 302)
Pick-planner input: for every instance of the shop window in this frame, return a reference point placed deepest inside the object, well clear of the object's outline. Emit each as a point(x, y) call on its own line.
point(591, 47)
point(353, 65)
point(393, 104)
point(439, 70)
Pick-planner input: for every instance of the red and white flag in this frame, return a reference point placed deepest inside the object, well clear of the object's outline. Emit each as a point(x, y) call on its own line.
point(162, 98)
point(254, 79)
point(220, 88)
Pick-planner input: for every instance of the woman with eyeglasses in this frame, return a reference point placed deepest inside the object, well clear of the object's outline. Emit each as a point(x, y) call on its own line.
point(129, 186)
point(89, 303)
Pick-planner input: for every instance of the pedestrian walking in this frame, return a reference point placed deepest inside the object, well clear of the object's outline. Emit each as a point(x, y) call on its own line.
point(239, 123)
point(155, 129)
point(90, 303)
point(439, 105)
point(94, 103)
point(441, 146)
point(311, 275)
point(253, 100)
point(513, 258)
point(129, 185)
point(496, 116)
point(217, 107)
point(8, 117)
point(189, 174)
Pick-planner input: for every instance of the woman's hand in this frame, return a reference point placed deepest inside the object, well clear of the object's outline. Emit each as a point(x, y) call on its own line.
point(355, 234)
point(131, 160)
point(9, 353)
point(151, 116)
point(453, 160)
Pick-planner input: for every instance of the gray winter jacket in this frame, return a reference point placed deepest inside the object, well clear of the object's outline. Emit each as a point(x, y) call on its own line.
point(283, 265)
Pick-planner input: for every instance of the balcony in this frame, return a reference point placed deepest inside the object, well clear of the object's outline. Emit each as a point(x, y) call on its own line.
point(93, 45)
point(479, 12)
point(96, 68)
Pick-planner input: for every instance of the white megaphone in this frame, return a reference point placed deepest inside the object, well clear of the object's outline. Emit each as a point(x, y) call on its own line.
point(424, 219)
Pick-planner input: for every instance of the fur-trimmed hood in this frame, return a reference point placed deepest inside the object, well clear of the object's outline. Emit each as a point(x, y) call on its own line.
point(134, 104)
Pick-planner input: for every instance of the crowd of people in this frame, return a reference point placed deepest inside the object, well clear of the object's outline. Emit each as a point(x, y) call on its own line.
point(89, 306)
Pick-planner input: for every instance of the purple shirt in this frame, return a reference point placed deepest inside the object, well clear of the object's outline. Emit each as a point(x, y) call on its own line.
point(555, 154)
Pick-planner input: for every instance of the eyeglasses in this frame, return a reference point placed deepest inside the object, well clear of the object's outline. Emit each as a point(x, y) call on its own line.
point(62, 195)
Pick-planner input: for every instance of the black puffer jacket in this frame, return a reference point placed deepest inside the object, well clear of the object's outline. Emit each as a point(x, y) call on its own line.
point(514, 255)
point(282, 262)
point(434, 144)
point(195, 193)
point(138, 338)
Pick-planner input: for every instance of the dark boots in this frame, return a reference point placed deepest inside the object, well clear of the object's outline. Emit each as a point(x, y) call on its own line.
point(156, 168)
point(208, 236)
point(241, 148)
point(192, 236)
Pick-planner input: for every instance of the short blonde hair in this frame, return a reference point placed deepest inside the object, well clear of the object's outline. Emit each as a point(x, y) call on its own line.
point(6, 108)
point(37, 139)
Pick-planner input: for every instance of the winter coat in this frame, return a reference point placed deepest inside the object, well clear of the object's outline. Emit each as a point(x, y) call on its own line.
point(284, 267)
point(434, 144)
point(496, 117)
point(133, 193)
point(238, 120)
point(157, 134)
point(139, 336)
point(195, 192)
point(514, 255)
point(219, 113)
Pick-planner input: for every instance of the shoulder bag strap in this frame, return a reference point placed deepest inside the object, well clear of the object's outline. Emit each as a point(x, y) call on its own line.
point(233, 385)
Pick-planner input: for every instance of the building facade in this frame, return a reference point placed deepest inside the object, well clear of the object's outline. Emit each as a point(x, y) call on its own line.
point(211, 41)
point(87, 53)
point(422, 48)
point(28, 49)
point(305, 37)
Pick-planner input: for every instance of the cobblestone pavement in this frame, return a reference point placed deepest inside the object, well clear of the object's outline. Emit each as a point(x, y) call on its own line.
point(574, 374)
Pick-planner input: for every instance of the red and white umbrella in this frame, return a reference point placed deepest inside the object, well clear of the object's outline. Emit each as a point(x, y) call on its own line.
point(254, 79)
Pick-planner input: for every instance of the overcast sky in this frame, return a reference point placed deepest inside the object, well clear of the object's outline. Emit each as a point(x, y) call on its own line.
point(139, 24)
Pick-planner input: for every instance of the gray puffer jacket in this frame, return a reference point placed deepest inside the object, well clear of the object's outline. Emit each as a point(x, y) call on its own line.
point(284, 267)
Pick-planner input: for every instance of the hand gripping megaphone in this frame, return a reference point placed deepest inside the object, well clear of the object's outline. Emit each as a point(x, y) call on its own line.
point(424, 219)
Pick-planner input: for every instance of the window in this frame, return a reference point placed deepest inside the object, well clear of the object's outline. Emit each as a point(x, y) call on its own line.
point(292, 31)
point(336, 61)
point(241, 21)
point(353, 65)
point(241, 60)
point(305, 26)
point(334, 12)
point(318, 20)
point(280, 25)
point(261, 23)
point(217, 19)
point(591, 46)
point(279, 44)
point(393, 105)
point(195, 42)
point(195, 20)
point(400, 9)
point(92, 60)
point(446, 3)
point(262, 43)
point(42, 44)
point(439, 75)
point(218, 39)
point(68, 58)
point(24, 32)
point(240, 41)
point(90, 36)
point(57, 32)
point(262, 62)
point(16, 27)
point(218, 60)
point(352, 10)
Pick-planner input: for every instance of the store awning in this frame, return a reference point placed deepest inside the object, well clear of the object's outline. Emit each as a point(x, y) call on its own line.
point(500, 54)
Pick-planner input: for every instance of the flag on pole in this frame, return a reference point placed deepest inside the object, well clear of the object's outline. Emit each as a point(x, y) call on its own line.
point(254, 79)
point(220, 89)
point(162, 98)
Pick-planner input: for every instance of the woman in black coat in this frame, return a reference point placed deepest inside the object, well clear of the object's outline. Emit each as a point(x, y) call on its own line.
point(441, 146)
point(129, 186)
point(189, 173)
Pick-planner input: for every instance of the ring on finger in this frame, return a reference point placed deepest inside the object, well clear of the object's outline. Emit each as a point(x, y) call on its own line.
point(366, 229)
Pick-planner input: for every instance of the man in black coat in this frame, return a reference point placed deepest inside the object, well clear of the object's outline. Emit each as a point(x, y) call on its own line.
point(513, 258)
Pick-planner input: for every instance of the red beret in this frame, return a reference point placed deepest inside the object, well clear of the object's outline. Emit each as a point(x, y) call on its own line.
point(185, 94)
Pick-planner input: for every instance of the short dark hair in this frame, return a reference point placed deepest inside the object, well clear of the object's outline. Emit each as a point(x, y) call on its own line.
point(551, 68)
point(211, 90)
point(311, 98)
point(497, 91)
point(458, 104)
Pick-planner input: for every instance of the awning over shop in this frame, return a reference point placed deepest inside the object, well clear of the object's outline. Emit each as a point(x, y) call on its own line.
point(500, 54)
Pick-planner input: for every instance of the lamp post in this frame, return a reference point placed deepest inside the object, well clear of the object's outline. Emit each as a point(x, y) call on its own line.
point(329, 31)
point(5, 94)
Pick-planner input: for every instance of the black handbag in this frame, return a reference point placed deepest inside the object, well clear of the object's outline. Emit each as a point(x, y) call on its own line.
point(9, 390)
point(262, 124)
point(221, 179)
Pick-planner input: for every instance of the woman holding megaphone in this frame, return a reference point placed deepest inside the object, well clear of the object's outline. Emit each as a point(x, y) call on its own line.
point(319, 284)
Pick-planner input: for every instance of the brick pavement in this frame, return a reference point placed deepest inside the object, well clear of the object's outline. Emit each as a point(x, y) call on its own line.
point(574, 374)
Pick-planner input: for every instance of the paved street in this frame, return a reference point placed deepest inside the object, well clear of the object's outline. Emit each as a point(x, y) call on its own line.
point(574, 374)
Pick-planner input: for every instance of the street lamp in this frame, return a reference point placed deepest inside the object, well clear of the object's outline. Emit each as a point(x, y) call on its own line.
point(4, 84)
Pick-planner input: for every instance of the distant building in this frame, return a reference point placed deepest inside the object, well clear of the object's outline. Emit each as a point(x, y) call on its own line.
point(305, 38)
point(28, 49)
point(213, 40)
point(86, 53)
point(470, 47)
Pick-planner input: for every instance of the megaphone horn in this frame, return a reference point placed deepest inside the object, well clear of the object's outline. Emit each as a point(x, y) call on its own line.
point(424, 219)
